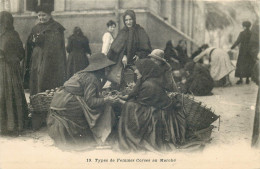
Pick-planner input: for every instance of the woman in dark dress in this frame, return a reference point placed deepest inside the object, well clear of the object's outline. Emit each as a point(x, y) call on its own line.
point(45, 53)
point(79, 51)
point(13, 106)
point(131, 43)
point(182, 56)
point(79, 115)
point(150, 120)
point(244, 61)
point(198, 81)
point(171, 55)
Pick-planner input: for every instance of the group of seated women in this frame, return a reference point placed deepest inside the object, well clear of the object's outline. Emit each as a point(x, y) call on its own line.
point(145, 118)
point(149, 119)
point(192, 75)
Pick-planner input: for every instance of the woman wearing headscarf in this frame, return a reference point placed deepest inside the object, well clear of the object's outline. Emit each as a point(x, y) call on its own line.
point(79, 115)
point(79, 51)
point(244, 61)
point(182, 56)
point(131, 43)
point(13, 106)
point(150, 120)
point(45, 53)
point(220, 64)
point(198, 80)
point(171, 54)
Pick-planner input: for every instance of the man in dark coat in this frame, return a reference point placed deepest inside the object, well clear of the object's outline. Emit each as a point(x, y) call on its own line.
point(46, 56)
point(244, 61)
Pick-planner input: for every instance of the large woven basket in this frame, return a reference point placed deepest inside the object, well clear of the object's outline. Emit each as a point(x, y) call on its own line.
point(204, 134)
point(198, 117)
point(40, 102)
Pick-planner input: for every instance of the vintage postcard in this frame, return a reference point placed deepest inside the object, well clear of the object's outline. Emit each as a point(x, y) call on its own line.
point(129, 84)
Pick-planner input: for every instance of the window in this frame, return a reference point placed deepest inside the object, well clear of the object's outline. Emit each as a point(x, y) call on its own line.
point(32, 4)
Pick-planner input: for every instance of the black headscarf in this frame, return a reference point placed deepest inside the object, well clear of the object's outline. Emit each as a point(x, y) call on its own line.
point(6, 21)
point(77, 31)
point(148, 69)
point(170, 51)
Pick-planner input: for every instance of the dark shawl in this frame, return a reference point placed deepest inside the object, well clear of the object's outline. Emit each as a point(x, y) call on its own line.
point(130, 41)
point(13, 105)
point(78, 46)
point(182, 56)
point(169, 53)
point(199, 82)
point(45, 57)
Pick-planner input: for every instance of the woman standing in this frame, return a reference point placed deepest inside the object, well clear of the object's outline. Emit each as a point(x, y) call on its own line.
point(244, 61)
point(150, 120)
point(220, 64)
point(13, 106)
point(79, 51)
point(131, 43)
point(46, 56)
point(108, 37)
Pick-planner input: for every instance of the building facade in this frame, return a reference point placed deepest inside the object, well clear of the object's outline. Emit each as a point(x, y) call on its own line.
point(163, 20)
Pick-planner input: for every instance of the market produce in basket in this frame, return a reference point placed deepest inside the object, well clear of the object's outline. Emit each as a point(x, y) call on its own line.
point(41, 101)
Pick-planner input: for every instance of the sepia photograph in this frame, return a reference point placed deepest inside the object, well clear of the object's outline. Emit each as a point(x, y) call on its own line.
point(116, 84)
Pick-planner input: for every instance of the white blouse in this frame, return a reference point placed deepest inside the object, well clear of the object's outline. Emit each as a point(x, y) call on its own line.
point(107, 41)
point(202, 54)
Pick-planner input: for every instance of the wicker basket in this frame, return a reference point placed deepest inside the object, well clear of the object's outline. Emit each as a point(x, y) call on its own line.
point(198, 116)
point(204, 134)
point(40, 102)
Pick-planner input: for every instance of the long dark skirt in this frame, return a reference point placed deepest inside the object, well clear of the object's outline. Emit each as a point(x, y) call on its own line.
point(244, 65)
point(77, 60)
point(69, 128)
point(145, 128)
point(13, 106)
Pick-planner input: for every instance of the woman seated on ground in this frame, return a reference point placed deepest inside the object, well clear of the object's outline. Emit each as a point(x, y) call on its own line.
point(150, 120)
point(78, 114)
point(198, 80)
point(171, 55)
point(220, 64)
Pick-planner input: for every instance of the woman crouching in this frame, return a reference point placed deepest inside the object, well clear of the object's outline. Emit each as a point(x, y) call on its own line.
point(78, 114)
point(150, 120)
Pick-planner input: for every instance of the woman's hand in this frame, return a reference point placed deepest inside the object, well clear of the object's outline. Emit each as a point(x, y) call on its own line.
point(110, 99)
point(123, 97)
point(124, 60)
